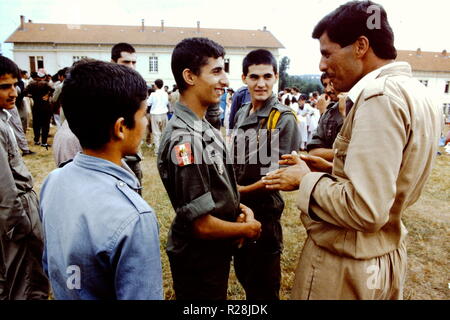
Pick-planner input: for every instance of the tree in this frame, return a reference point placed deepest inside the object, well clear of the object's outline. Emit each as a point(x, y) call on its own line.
point(284, 77)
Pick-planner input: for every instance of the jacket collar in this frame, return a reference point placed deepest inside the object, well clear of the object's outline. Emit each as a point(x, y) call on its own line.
point(5, 115)
point(263, 112)
point(390, 68)
point(186, 115)
point(107, 167)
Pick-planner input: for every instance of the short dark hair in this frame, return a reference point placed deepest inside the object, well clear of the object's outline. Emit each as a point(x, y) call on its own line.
point(350, 21)
point(7, 66)
point(159, 83)
point(259, 56)
point(95, 94)
point(192, 54)
point(118, 48)
point(62, 72)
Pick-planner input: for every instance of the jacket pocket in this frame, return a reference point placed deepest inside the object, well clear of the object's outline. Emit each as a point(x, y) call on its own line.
point(340, 154)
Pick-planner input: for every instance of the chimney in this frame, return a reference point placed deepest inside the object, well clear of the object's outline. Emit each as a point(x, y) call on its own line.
point(198, 26)
point(264, 28)
point(22, 23)
point(162, 25)
point(444, 53)
point(419, 52)
point(142, 26)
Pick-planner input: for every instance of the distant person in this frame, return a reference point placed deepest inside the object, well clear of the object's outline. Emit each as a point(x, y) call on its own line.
point(356, 241)
point(158, 103)
point(65, 145)
point(330, 123)
point(199, 180)
point(174, 97)
point(55, 101)
point(21, 238)
point(125, 54)
point(41, 92)
point(101, 237)
point(305, 112)
point(240, 97)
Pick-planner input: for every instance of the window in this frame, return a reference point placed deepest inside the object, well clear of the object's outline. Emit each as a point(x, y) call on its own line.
point(36, 63)
point(446, 110)
point(153, 64)
point(227, 65)
point(78, 58)
point(447, 85)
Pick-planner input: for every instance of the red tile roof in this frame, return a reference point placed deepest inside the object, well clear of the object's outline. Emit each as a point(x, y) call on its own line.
point(108, 34)
point(426, 61)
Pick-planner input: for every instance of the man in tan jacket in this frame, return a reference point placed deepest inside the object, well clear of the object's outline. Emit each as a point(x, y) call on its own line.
point(384, 153)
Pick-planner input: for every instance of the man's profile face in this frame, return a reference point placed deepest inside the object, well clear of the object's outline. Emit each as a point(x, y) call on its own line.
point(136, 134)
point(211, 81)
point(342, 67)
point(8, 92)
point(329, 89)
point(260, 80)
point(127, 59)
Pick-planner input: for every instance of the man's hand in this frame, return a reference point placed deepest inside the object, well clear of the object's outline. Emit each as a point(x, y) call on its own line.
point(317, 164)
point(323, 102)
point(287, 179)
point(254, 226)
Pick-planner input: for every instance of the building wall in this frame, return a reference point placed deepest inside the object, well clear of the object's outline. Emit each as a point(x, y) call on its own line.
point(437, 83)
point(57, 57)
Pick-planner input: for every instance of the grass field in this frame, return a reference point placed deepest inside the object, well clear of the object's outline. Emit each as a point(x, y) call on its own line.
point(428, 222)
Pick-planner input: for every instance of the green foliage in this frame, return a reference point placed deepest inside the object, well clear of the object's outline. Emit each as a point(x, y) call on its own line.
point(284, 77)
point(306, 83)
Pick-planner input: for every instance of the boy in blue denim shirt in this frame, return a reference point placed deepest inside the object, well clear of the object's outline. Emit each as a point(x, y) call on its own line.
point(101, 237)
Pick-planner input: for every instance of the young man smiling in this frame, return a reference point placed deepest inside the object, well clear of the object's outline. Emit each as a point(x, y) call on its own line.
point(194, 166)
point(257, 263)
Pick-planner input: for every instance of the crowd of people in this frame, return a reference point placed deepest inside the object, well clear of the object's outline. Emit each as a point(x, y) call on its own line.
point(91, 235)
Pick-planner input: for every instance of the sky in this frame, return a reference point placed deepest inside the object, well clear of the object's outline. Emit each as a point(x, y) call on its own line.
point(416, 24)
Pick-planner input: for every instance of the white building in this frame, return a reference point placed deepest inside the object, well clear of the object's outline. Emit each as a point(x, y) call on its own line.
point(55, 46)
point(433, 70)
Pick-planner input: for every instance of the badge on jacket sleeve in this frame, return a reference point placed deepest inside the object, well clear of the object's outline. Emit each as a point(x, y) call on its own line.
point(183, 154)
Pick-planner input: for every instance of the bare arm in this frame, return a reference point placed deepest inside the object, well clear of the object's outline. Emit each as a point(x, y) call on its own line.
point(327, 154)
point(210, 227)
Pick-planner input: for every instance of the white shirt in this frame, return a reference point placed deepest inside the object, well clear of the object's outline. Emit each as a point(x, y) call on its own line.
point(158, 101)
point(294, 107)
point(356, 90)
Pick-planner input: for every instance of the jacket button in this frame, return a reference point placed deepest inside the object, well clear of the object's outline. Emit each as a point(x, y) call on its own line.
point(121, 184)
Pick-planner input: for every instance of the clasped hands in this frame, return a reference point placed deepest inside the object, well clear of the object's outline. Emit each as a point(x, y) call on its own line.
point(247, 216)
point(289, 178)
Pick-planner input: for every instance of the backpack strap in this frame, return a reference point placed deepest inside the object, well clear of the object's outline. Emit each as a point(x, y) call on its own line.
point(274, 116)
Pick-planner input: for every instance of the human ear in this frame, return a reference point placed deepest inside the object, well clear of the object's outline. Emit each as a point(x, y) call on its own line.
point(189, 77)
point(119, 129)
point(361, 46)
point(244, 78)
